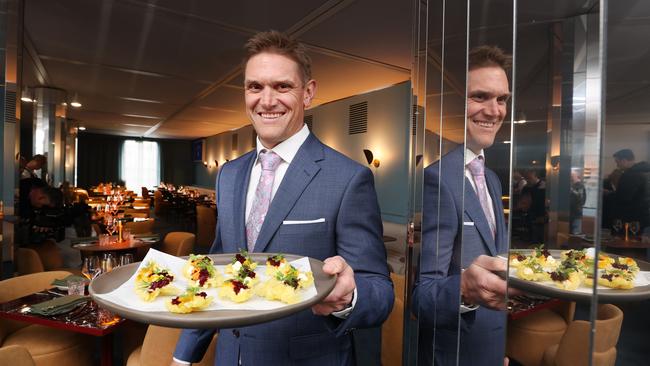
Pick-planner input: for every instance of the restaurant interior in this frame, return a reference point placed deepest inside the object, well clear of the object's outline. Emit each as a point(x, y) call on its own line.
point(118, 116)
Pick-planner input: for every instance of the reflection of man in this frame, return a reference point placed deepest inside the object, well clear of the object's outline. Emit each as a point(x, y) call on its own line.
point(322, 205)
point(632, 197)
point(463, 229)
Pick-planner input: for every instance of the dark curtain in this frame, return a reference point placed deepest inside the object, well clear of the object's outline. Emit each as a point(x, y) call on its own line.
point(176, 164)
point(98, 159)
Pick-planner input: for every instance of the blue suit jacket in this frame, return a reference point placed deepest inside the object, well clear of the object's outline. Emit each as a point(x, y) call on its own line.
point(319, 183)
point(437, 291)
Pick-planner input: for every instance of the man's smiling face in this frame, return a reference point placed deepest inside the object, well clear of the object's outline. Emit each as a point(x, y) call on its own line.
point(276, 96)
point(487, 98)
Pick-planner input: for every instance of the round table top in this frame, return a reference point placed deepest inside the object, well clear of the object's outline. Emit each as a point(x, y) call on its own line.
point(626, 244)
point(114, 246)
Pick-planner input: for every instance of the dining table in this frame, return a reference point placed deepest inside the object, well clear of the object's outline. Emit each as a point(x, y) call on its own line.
point(635, 247)
point(132, 246)
point(88, 318)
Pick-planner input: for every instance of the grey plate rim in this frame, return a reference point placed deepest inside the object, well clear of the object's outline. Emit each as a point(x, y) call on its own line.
point(212, 318)
point(604, 295)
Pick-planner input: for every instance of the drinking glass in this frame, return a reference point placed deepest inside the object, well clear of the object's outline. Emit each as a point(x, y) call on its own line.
point(90, 267)
point(617, 226)
point(76, 287)
point(635, 227)
point(108, 262)
point(126, 259)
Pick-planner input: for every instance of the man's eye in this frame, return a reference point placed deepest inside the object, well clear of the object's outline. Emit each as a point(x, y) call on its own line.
point(254, 87)
point(284, 87)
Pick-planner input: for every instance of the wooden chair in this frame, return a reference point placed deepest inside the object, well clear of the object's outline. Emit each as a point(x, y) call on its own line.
point(140, 227)
point(393, 327)
point(28, 261)
point(47, 346)
point(178, 243)
point(158, 347)
point(15, 356)
point(573, 348)
point(206, 223)
point(530, 336)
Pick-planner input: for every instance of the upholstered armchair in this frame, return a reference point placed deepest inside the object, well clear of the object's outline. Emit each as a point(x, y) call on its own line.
point(178, 243)
point(158, 348)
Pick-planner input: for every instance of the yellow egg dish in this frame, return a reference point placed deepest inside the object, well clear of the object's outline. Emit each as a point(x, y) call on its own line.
point(235, 290)
point(191, 300)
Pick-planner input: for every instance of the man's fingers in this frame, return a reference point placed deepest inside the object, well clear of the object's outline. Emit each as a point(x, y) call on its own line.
point(334, 265)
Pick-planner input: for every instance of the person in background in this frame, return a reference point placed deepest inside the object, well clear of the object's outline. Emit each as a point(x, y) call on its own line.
point(533, 205)
point(632, 197)
point(577, 199)
point(463, 230)
point(293, 194)
point(36, 163)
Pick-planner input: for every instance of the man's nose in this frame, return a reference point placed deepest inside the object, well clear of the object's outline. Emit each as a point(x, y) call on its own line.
point(267, 99)
point(491, 108)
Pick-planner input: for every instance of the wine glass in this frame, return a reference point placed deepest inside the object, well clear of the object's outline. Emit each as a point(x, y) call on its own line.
point(635, 227)
point(111, 225)
point(617, 226)
point(90, 267)
point(126, 259)
point(108, 262)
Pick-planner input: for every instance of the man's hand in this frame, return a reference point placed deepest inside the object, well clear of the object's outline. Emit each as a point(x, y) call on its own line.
point(341, 295)
point(480, 285)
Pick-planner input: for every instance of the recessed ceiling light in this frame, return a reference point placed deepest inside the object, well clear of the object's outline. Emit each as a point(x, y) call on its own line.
point(75, 104)
point(82, 128)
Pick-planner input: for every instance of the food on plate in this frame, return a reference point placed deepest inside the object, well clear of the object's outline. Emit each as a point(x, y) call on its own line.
point(201, 272)
point(575, 268)
point(236, 290)
point(286, 285)
point(614, 278)
point(243, 268)
point(275, 263)
point(152, 280)
point(192, 299)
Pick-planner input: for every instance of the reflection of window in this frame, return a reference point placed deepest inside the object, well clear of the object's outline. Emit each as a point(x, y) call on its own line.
point(140, 165)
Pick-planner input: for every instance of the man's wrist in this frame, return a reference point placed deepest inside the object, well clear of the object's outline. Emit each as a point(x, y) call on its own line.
point(345, 312)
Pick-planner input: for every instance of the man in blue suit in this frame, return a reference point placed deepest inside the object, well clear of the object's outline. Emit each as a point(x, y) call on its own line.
point(295, 195)
point(463, 228)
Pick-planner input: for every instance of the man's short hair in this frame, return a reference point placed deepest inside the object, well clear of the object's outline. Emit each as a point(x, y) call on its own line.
point(276, 42)
point(42, 160)
point(625, 154)
point(488, 56)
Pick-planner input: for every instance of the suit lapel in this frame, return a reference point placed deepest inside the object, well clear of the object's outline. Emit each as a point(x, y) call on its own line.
point(241, 188)
point(300, 172)
point(474, 210)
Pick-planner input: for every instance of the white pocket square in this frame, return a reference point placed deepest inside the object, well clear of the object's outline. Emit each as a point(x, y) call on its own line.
point(302, 222)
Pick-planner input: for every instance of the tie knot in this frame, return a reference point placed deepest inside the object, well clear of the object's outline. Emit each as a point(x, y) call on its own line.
point(476, 166)
point(269, 160)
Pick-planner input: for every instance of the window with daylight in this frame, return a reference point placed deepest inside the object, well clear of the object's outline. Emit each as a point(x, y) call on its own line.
point(140, 165)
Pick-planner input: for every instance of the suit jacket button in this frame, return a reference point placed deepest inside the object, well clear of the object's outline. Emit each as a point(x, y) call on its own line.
point(235, 332)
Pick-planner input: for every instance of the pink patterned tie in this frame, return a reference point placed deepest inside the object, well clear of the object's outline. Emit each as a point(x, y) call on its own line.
point(262, 200)
point(477, 168)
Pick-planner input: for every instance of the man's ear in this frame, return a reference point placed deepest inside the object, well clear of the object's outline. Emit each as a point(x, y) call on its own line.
point(310, 91)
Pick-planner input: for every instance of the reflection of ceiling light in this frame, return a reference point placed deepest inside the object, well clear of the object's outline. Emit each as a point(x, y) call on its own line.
point(520, 122)
point(26, 95)
point(82, 128)
point(75, 101)
point(506, 142)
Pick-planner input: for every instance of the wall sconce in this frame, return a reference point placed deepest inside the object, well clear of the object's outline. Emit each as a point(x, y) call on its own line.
point(370, 158)
point(205, 164)
point(216, 163)
point(418, 159)
point(555, 162)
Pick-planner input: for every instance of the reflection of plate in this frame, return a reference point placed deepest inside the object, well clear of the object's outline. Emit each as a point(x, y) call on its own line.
point(583, 293)
point(212, 318)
